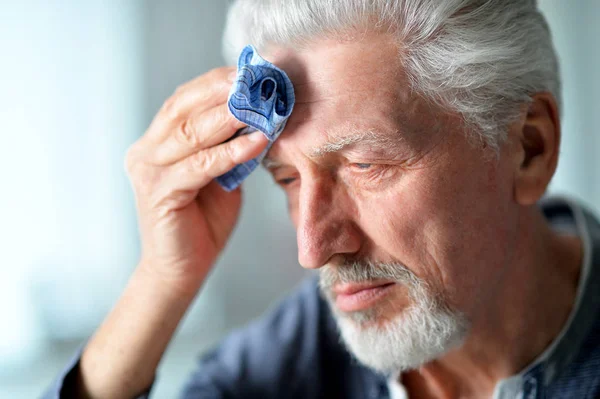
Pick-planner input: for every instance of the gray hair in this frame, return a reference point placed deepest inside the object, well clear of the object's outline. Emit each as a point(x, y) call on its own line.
point(483, 59)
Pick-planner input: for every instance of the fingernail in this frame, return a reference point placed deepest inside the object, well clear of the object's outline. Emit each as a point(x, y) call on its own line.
point(255, 136)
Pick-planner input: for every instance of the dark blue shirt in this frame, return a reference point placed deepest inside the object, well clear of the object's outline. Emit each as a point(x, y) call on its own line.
point(295, 351)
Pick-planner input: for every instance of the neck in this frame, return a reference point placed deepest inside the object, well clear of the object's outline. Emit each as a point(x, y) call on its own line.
point(521, 317)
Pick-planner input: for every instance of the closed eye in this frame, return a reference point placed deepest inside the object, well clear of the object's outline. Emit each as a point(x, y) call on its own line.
point(286, 181)
point(363, 166)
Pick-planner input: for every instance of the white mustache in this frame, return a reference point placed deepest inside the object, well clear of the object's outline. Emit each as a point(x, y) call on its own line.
point(362, 271)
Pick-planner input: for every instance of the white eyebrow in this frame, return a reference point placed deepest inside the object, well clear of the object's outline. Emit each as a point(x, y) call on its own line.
point(339, 142)
point(271, 164)
point(370, 137)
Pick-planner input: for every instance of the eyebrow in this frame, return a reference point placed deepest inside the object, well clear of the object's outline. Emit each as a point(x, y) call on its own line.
point(271, 164)
point(369, 137)
point(338, 142)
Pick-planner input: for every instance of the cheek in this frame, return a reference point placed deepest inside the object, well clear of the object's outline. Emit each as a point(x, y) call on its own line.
point(448, 228)
point(399, 224)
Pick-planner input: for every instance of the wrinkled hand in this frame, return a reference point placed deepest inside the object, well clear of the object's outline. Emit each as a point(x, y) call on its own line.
point(185, 218)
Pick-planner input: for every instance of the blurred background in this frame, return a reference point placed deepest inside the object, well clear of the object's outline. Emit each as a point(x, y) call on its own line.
point(79, 82)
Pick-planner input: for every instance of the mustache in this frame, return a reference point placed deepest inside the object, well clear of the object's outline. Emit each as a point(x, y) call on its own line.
point(355, 271)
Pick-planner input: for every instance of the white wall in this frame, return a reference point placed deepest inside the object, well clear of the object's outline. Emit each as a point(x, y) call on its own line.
point(69, 80)
point(576, 30)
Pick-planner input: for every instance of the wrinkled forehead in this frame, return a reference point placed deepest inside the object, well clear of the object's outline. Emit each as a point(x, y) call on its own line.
point(330, 68)
point(351, 86)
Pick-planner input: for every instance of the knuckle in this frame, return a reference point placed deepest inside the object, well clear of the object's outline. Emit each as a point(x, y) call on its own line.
point(201, 161)
point(186, 133)
point(144, 183)
point(143, 176)
point(170, 107)
point(145, 179)
point(179, 90)
point(230, 151)
point(131, 158)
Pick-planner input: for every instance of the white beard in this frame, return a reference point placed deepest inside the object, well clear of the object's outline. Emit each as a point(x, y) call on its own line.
point(409, 340)
point(418, 334)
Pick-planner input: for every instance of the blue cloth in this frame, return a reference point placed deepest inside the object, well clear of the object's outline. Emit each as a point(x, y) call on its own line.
point(295, 350)
point(262, 97)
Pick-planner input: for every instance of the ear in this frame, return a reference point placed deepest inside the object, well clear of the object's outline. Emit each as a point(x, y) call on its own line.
point(538, 142)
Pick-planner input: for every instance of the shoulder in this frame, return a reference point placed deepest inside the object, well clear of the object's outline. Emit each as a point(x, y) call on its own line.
point(582, 378)
point(278, 355)
point(579, 354)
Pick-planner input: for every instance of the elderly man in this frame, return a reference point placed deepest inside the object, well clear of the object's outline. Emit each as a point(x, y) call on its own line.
point(423, 136)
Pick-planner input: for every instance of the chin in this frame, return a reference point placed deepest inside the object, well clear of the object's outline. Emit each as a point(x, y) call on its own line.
point(404, 341)
point(391, 329)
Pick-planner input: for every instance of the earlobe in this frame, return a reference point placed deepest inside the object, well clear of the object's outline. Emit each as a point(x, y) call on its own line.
point(539, 141)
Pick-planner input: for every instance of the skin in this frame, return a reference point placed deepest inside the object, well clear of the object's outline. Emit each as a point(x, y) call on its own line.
point(443, 205)
point(184, 218)
point(460, 219)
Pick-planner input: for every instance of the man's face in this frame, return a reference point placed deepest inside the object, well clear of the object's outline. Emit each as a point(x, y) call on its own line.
point(380, 181)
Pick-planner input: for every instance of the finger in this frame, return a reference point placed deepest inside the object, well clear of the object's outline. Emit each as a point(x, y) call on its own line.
point(199, 131)
point(198, 95)
point(197, 170)
point(225, 73)
point(204, 92)
point(221, 209)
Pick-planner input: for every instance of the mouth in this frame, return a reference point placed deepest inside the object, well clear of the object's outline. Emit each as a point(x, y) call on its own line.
point(353, 297)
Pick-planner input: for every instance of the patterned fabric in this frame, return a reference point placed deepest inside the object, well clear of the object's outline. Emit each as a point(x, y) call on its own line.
point(262, 97)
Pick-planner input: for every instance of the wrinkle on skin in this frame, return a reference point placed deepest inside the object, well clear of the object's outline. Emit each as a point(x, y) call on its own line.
point(423, 132)
point(444, 207)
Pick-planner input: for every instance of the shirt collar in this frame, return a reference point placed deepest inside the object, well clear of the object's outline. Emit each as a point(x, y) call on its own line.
point(561, 352)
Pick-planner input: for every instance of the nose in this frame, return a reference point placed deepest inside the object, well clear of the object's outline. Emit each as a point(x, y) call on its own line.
point(325, 226)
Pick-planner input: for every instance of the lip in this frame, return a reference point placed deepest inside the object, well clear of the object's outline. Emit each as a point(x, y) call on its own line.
point(352, 297)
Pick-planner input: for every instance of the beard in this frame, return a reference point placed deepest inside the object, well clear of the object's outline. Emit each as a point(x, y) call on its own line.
point(424, 330)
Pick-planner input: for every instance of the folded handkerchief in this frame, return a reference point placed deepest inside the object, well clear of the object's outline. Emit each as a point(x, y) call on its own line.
point(262, 97)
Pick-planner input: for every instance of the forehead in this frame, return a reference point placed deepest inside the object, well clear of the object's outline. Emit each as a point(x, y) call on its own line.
point(328, 67)
point(344, 85)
